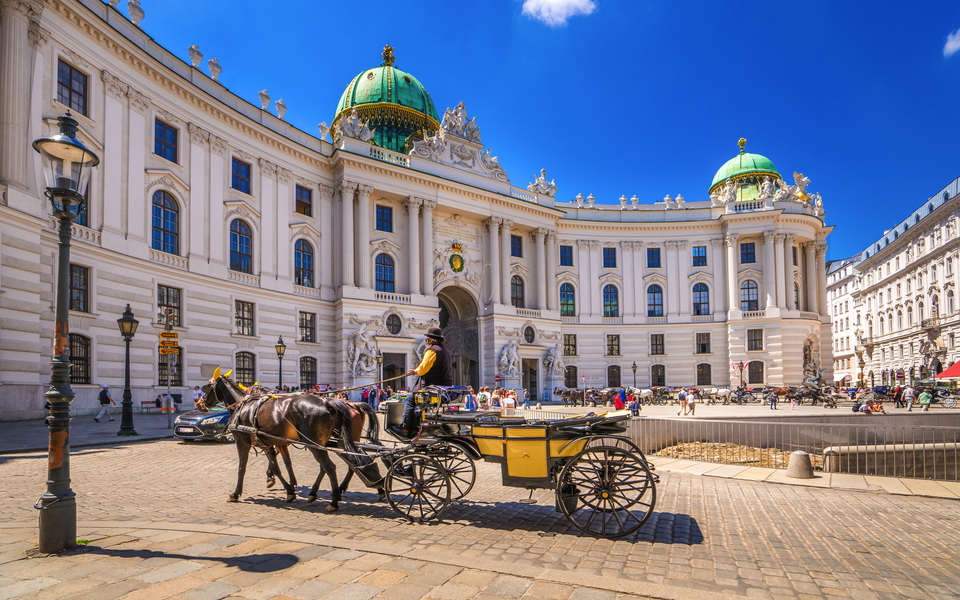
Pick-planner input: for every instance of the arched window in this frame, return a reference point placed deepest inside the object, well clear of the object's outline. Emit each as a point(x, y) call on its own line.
point(658, 376)
point(899, 320)
point(246, 371)
point(755, 372)
point(613, 376)
point(704, 374)
point(241, 247)
point(303, 263)
point(909, 316)
point(701, 299)
point(308, 372)
point(568, 301)
point(949, 302)
point(516, 291)
point(166, 223)
point(80, 359)
point(654, 301)
point(880, 324)
point(934, 306)
point(570, 377)
point(749, 299)
point(869, 328)
point(611, 301)
point(920, 311)
point(385, 277)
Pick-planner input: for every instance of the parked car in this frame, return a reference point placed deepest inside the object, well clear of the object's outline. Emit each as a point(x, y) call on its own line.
point(396, 397)
point(196, 425)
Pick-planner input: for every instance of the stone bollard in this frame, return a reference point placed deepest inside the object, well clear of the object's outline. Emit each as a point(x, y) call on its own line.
point(539, 407)
point(800, 466)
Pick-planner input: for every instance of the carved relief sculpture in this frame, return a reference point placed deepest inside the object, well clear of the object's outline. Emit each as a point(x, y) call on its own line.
point(540, 185)
point(554, 360)
point(352, 127)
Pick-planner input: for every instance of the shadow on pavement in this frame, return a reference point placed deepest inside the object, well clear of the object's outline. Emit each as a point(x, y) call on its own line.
point(260, 563)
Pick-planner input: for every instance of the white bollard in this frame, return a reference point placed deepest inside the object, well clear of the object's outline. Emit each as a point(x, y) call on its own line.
point(800, 466)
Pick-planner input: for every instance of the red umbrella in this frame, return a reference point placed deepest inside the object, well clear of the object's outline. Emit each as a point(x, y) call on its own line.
point(951, 373)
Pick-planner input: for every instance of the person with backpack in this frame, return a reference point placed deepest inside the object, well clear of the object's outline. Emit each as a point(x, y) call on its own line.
point(908, 398)
point(105, 401)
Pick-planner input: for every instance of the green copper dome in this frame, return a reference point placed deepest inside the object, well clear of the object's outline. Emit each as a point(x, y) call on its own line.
point(393, 103)
point(745, 168)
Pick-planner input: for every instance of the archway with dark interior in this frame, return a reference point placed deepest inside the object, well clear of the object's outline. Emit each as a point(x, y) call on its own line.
point(458, 320)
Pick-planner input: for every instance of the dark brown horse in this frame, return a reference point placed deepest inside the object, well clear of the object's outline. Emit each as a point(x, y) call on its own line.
point(271, 421)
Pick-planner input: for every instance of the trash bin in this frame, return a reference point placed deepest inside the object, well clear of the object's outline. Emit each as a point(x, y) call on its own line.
point(509, 406)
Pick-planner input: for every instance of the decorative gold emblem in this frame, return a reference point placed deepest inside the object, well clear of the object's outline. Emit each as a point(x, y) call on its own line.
point(742, 143)
point(456, 263)
point(388, 58)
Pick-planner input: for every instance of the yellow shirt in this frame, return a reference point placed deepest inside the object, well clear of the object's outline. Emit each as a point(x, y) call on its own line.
point(428, 357)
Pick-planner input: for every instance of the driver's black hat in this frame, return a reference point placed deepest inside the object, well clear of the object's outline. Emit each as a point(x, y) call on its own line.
point(435, 333)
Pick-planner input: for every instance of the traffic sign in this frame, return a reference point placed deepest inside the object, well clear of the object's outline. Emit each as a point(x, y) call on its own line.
point(497, 379)
point(168, 350)
point(170, 335)
point(168, 343)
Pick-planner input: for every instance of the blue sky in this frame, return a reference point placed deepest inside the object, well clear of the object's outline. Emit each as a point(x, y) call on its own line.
point(634, 97)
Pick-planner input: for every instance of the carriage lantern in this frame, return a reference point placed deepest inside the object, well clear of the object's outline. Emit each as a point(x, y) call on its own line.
point(281, 348)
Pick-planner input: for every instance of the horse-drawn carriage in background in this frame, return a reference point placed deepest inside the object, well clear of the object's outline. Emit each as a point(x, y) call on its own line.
point(602, 482)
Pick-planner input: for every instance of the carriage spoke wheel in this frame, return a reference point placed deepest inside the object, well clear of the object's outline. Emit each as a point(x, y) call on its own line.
point(417, 487)
point(460, 468)
point(607, 492)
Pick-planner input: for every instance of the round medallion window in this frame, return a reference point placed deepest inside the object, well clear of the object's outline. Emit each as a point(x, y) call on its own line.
point(394, 324)
point(529, 334)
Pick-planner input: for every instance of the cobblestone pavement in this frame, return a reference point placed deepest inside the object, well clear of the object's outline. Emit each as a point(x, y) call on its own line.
point(718, 535)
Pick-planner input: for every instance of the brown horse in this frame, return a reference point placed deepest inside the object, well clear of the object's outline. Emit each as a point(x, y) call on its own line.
point(269, 421)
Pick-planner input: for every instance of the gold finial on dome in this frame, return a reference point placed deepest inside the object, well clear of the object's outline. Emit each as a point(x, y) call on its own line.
point(742, 143)
point(388, 58)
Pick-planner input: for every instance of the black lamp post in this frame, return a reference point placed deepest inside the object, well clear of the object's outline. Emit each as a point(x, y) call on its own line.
point(634, 367)
point(281, 348)
point(128, 328)
point(861, 364)
point(67, 164)
point(379, 368)
point(741, 367)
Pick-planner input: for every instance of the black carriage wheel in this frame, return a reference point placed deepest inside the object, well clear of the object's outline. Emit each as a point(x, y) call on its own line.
point(460, 468)
point(417, 487)
point(607, 492)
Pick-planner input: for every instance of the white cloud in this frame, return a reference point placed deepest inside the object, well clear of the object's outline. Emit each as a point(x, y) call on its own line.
point(952, 45)
point(556, 12)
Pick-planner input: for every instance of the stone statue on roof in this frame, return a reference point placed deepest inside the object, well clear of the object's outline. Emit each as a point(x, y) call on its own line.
point(541, 186)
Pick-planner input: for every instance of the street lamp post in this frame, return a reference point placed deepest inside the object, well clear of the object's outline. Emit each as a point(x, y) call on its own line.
point(634, 367)
point(741, 367)
point(67, 164)
point(861, 364)
point(281, 348)
point(379, 368)
point(128, 328)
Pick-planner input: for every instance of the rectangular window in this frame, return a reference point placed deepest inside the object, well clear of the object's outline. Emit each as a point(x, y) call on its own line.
point(748, 253)
point(308, 327)
point(79, 359)
point(516, 246)
point(656, 344)
point(754, 339)
point(241, 176)
point(613, 345)
point(699, 256)
point(653, 258)
point(566, 256)
point(304, 201)
point(609, 258)
point(569, 344)
point(244, 318)
point(168, 302)
point(165, 141)
point(703, 343)
point(79, 288)
point(795, 261)
point(176, 371)
point(71, 88)
point(385, 219)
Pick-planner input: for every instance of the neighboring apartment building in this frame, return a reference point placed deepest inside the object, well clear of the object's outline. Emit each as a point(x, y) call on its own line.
point(841, 283)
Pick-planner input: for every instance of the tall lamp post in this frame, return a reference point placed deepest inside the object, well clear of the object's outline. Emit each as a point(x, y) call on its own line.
point(741, 367)
point(281, 348)
point(634, 367)
point(379, 368)
point(861, 364)
point(67, 164)
point(128, 328)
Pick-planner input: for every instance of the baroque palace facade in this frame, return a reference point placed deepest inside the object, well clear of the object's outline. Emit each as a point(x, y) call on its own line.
point(351, 243)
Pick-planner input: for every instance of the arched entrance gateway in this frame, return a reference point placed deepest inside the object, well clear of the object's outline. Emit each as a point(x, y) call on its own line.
point(458, 320)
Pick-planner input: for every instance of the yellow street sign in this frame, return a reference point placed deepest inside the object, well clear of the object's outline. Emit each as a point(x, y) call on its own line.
point(170, 335)
point(168, 350)
point(168, 343)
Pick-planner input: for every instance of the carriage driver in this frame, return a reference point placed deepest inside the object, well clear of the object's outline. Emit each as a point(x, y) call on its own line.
point(436, 368)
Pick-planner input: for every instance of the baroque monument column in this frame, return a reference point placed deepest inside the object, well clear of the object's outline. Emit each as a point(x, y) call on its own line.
point(347, 189)
point(426, 249)
point(505, 261)
point(412, 204)
point(731, 241)
point(781, 277)
point(551, 273)
point(769, 269)
point(540, 240)
point(363, 235)
point(810, 275)
point(822, 278)
point(788, 270)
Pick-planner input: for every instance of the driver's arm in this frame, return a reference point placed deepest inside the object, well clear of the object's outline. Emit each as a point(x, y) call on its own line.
point(428, 359)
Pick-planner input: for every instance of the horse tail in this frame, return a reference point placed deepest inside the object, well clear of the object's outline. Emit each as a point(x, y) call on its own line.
point(352, 454)
point(373, 429)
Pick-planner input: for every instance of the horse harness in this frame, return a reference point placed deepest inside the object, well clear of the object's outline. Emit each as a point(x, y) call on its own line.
point(233, 424)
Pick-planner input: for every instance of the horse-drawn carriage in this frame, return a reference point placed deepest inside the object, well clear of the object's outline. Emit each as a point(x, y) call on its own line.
point(603, 483)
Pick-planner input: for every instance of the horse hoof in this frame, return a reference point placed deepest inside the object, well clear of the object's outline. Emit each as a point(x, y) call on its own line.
point(291, 497)
point(381, 496)
point(332, 507)
point(271, 483)
point(233, 498)
point(311, 498)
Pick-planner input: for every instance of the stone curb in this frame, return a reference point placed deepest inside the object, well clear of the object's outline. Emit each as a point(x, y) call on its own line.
point(120, 440)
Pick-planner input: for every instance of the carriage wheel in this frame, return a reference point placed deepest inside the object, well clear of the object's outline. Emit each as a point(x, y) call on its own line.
point(460, 468)
point(607, 492)
point(949, 402)
point(417, 487)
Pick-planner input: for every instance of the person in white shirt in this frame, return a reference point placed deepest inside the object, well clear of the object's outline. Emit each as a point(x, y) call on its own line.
point(197, 395)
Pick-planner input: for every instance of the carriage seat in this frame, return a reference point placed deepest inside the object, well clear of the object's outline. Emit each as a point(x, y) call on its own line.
point(466, 417)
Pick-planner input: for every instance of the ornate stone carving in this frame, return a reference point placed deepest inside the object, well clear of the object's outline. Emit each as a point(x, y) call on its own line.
point(136, 13)
point(240, 153)
point(305, 232)
point(195, 55)
point(590, 200)
point(493, 223)
point(283, 175)
point(264, 99)
point(461, 155)
point(215, 69)
point(671, 245)
point(75, 58)
point(729, 194)
point(326, 191)
point(466, 154)
point(172, 120)
point(579, 200)
point(324, 130)
point(267, 168)
point(634, 201)
point(716, 242)
point(679, 201)
point(112, 85)
point(554, 361)
point(361, 353)
point(509, 362)
point(623, 202)
point(540, 185)
point(197, 136)
point(352, 127)
point(37, 35)
point(217, 146)
point(766, 188)
point(412, 204)
point(242, 211)
point(731, 239)
point(281, 108)
point(137, 100)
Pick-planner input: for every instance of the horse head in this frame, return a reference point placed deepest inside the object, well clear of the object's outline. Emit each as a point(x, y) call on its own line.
point(220, 389)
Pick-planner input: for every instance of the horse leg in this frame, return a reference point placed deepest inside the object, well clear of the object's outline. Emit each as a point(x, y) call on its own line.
point(285, 453)
point(243, 452)
point(275, 467)
point(346, 482)
point(326, 466)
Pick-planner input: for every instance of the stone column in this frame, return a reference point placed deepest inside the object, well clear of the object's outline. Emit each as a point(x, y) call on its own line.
point(136, 161)
point(198, 173)
point(426, 249)
point(268, 221)
point(15, 65)
point(553, 302)
point(347, 190)
point(364, 268)
point(112, 159)
point(412, 205)
point(505, 261)
point(781, 276)
point(788, 270)
point(673, 284)
point(639, 265)
point(217, 226)
point(628, 308)
point(540, 241)
point(810, 275)
point(822, 279)
point(586, 304)
point(719, 300)
point(284, 244)
point(596, 300)
point(731, 242)
point(326, 260)
point(769, 270)
point(683, 266)
point(493, 259)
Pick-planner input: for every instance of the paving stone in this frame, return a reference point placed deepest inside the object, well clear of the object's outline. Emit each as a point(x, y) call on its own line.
point(310, 590)
point(210, 591)
point(507, 585)
point(356, 591)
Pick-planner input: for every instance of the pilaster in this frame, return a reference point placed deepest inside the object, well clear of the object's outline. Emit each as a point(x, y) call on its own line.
point(364, 267)
point(413, 204)
point(493, 258)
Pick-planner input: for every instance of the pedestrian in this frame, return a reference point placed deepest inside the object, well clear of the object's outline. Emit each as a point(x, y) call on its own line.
point(526, 398)
point(105, 401)
point(471, 401)
point(634, 404)
point(909, 395)
point(772, 398)
point(925, 398)
point(197, 395)
point(622, 397)
point(691, 403)
point(365, 395)
point(898, 397)
point(483, 398)
point(682, 401)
